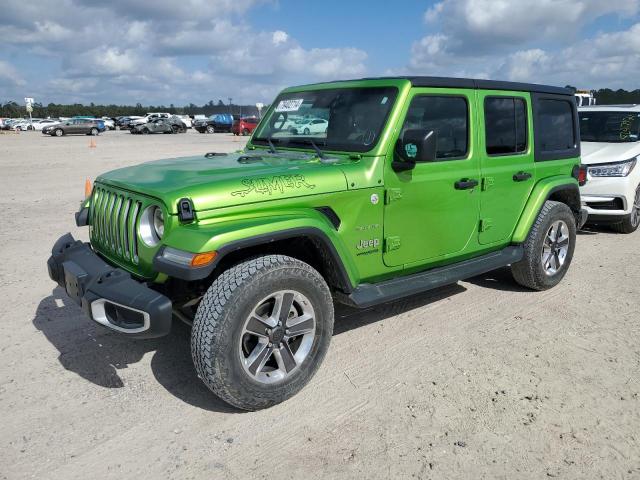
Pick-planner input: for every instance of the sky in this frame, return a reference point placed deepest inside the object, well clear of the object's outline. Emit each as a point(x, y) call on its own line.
point(193, 51)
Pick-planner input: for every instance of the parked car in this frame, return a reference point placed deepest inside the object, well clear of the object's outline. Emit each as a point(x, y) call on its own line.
point(22, 125)
point(149, 117)
point(244, 126)
point(310, 126)
point(40, 124)
point(220, 122)
point(84, 126)
point(109, 123)
point(419, 182)
point(124, 123)
point(161, 125)
point(610, 136)
point(186, 119)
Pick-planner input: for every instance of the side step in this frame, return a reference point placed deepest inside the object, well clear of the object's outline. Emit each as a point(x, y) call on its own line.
point(369, 294)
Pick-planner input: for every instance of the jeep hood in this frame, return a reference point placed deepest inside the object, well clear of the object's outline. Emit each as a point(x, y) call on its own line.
point(227, 180)
point(603, 152)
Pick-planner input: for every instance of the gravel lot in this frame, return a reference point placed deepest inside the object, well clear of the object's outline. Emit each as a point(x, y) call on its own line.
point(477, 380)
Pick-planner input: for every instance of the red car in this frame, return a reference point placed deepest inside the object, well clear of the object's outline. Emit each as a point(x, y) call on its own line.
point(244, 126)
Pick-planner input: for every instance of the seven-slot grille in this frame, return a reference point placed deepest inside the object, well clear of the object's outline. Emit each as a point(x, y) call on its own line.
point(114, 216)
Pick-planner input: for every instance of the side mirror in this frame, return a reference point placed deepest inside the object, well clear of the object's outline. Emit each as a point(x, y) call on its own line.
point(414, 146)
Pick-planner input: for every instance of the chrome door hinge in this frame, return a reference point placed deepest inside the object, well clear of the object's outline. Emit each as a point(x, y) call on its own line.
point(391, 243)
point(485, 224)
point(391, 195)
point(487, 183)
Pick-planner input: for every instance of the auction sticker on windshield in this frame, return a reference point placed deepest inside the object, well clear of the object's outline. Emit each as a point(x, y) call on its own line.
point(291, 105)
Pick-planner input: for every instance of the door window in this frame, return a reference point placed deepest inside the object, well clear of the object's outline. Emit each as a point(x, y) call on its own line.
point(447, 117)
point(505, 122)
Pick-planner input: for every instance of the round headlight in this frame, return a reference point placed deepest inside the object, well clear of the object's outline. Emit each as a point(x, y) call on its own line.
point(158, 222)
point(151, 228)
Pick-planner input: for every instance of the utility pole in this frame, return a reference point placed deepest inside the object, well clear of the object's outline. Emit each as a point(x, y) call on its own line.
point(230, 110)
point(29, 102)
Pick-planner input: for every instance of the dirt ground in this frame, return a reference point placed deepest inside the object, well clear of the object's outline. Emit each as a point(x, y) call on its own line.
point(477, 380)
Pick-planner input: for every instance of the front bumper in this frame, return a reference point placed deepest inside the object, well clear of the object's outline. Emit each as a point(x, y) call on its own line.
point(609, 196)
point(108, 295)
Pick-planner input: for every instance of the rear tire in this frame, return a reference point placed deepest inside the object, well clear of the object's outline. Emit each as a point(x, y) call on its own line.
point(546, 255)
point(245, 132)
point(630, 223)
point(254, 371)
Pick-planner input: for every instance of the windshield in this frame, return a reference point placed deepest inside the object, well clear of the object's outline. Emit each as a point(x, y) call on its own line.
point(609, 126)
point(348, 119)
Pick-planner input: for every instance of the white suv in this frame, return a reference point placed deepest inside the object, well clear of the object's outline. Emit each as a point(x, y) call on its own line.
point(610, 140)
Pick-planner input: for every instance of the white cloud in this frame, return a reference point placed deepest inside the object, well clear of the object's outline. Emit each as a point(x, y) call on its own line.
point(529, 41)
point(606, 60)
point(162, 51)
point(480, 22)
point(279, 37)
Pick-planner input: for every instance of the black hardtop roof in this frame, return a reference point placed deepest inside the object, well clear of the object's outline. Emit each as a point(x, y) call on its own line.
point(452, 82)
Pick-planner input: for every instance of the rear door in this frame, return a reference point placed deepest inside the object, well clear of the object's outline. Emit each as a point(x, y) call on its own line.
point(506, 162)
point(428, 215)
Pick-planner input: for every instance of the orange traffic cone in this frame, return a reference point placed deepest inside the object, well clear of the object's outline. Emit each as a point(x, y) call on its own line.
point(92, 143)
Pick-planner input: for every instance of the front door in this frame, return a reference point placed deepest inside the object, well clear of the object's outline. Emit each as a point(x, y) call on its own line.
point(507, 163)
point(432, 211)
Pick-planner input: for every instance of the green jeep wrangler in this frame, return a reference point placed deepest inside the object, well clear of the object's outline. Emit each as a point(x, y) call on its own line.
point(361, 191)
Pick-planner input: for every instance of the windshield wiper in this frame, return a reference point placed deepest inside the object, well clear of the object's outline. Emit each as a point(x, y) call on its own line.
point(315, 147)
point(272, 148)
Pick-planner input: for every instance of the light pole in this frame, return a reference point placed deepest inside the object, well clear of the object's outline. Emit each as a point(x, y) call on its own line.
point(230, 110)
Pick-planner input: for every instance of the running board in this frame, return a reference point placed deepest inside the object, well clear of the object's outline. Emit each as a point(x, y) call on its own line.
point(369, 294)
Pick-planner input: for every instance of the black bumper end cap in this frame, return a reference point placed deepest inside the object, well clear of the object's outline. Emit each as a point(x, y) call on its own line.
point(86, 277)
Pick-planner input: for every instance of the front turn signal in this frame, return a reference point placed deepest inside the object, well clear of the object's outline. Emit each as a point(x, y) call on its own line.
point(202, 259)
point(87, 188)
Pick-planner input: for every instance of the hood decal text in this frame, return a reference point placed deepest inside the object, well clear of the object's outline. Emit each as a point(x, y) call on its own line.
point(277, 183)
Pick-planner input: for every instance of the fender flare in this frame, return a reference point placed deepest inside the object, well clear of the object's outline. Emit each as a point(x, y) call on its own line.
point(542, 192)
point(342, 277)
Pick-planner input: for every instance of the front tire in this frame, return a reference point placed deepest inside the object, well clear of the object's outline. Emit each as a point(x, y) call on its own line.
point(93, 132)
point(630, 223)
point(210, 129)
point(548, 249)
point(58, 132)
point(262, 330)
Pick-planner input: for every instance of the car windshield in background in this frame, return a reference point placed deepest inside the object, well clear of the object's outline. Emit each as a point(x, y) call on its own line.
point(609, 126)
point(348, 119)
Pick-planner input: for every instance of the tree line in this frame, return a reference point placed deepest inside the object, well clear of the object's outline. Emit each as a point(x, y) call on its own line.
point(13, 109)
point(604, 96)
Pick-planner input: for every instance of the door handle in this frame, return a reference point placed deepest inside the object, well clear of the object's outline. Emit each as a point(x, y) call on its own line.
point(521, 177)
point(466, 184)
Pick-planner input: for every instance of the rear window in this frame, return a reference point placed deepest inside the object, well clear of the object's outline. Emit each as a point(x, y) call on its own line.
point(556, 125)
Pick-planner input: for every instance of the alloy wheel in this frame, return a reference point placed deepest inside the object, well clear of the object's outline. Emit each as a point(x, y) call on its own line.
point(555, 247)
point(635, 213)
point(277, 336)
